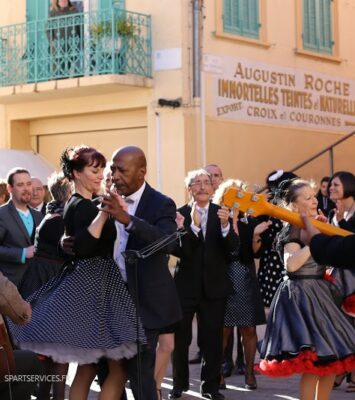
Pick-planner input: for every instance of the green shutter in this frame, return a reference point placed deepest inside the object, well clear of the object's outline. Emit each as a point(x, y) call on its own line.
point(36, 57)
point(108, 4)
point(326, 39)
point(241, 17)
point(317, 26)
point(37, 9)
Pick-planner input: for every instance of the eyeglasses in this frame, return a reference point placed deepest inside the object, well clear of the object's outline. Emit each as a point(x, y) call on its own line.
point(201, 183)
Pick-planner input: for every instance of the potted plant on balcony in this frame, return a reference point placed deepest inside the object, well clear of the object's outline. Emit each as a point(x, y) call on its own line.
point(109, 35)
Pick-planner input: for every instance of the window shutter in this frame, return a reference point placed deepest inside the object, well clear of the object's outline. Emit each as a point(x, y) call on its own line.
point(230, 16)
point(326, 40)
point(317, 26)
point(108, 4)
point(241, 17)
point(250, 13)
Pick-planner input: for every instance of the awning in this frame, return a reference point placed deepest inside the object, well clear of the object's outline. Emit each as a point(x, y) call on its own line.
point(28, 159)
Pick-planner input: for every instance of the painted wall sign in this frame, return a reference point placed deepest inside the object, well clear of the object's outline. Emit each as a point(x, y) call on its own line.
point(250, 90)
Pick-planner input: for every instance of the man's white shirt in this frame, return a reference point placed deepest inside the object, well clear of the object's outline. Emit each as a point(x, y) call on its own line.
point(123, 233)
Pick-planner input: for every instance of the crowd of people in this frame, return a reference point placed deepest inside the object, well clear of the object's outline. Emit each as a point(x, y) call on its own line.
point(93, 267)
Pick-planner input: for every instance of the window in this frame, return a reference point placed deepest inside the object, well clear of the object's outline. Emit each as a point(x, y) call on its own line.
point(242, 21)
point(317, 29)
point(241, 17)
point(317, 26)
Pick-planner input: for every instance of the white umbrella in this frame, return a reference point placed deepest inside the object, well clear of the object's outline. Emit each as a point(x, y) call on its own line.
point(36, 165)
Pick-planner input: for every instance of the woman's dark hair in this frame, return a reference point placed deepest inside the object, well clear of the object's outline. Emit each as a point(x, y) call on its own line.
point(278, 182)
point(79, 157)
point(347, 179)
point(55, 5)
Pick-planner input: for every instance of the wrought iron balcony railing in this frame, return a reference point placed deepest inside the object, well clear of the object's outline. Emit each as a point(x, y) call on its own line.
point(112, 41)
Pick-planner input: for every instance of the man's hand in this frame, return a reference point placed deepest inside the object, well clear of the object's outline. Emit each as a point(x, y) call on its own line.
point(180, 219)
point(115, 205)
point(67, 245)
point(29, 251)
point(223, 215)
point(195, 215)
point(309, 231)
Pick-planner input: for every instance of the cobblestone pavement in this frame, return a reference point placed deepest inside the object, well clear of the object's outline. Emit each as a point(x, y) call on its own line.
point(268, 389)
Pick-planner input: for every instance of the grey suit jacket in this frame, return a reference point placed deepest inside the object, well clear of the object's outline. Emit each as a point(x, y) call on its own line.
point(13, 239)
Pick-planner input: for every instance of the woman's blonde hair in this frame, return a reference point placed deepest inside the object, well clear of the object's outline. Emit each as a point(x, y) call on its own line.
point(224, 186)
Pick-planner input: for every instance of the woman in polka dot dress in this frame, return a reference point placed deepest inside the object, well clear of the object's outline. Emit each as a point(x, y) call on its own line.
point(85, 313)
point(245, 308)
point(271, 268)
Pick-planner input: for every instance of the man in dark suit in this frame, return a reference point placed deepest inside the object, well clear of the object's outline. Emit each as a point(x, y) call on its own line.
point(337, 251)
point(38, 193)
point(141, 218)
point(324, 202)
point(18, 224)
point(202, 283)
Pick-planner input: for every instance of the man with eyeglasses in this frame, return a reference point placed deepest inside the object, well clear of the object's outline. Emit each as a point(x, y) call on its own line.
point(217, 178)
point(202, 283)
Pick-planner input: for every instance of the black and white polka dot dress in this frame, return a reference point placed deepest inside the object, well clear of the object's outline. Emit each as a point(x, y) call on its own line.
point(86, 312)
point(271, 268)
point(245, 306)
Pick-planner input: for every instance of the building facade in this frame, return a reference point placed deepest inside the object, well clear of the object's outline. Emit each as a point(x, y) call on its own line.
point(251, 85)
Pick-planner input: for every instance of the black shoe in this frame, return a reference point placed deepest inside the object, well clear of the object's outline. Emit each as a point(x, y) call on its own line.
point(239, 369)
point(227, 368)
point(250, 382)
point(222, 386)
point(197, 359)
point(213, 396)
point(175, 394)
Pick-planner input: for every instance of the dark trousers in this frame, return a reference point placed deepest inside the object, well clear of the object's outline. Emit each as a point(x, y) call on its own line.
point(142, 378)
point(27, 363)
point(210, 322)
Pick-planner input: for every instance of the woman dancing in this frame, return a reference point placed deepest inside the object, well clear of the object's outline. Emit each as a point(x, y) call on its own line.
point(86, 312)
point(306, 332)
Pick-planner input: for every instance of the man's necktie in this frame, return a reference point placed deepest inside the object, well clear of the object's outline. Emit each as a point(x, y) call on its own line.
point(203, 215)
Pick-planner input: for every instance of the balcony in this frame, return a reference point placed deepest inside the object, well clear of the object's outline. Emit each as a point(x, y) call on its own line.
point(110, 42)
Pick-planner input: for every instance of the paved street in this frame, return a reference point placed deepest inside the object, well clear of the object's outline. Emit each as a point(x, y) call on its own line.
point(268, 389)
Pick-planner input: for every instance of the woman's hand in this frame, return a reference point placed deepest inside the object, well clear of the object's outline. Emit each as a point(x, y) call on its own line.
point(115, 205)
point(320, 217)
point(235, 215)
point(262, 227)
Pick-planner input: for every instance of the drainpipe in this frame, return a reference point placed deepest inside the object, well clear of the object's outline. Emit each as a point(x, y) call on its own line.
point(196, 45)
point(198, 78)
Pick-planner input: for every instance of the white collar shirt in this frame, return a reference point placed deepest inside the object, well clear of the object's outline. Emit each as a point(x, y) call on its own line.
point(122, 234)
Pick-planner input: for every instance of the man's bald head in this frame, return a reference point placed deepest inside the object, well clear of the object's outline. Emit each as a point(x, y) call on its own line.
point(216, 174)
point(38, 192)
point(129, 167)
point(132, 153)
